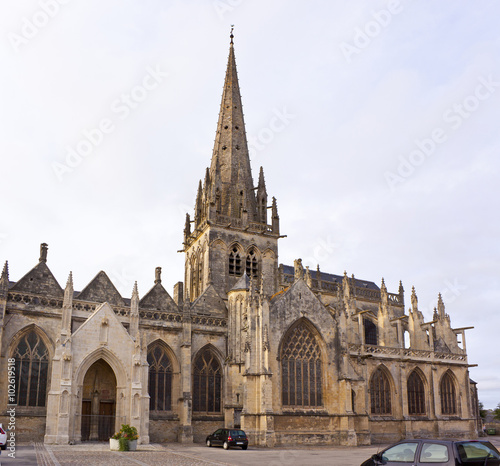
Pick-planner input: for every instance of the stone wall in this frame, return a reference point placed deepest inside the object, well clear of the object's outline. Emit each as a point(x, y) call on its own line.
point(28, 428)
point(163, 431)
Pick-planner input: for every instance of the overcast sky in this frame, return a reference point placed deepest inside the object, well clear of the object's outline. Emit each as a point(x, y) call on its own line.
point(377, 124)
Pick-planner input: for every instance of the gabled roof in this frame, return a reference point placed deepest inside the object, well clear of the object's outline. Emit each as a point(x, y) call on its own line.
point(242, 284)
point(329, 277)
point(158, 298)
point(100, 290)
point(39, 280)
point(209, 301)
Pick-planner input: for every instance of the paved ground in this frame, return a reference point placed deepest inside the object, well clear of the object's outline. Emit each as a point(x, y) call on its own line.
point(90, 454)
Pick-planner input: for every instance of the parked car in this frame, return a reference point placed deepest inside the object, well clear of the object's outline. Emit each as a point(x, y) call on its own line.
point(228, 438)
point(422, 452)
point(3, 438)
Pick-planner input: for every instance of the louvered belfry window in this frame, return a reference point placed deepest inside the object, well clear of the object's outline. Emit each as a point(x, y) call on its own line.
point(301, 369)
point(235, 262)
point(207, 383)
point(32, 365)
point(416, 394)
point(448, 398)
point(160, 379)
point(380, 393)
point(252, 264)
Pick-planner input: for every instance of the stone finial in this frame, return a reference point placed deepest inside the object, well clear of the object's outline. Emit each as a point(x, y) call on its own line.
point(383, 287)
point(135, 291)
point(440, 307)
point(5, 272)
point(414, 299)
point(231, 35)
point(298, 269)
point(308, 277)
point(157, 275)
point(401, 290)
point(44, 247)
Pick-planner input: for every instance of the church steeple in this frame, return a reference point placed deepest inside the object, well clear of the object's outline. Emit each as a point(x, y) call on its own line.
point(231, 209)
point(231, 149)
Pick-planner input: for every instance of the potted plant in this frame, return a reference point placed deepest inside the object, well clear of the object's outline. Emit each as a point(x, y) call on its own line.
point(125, 439)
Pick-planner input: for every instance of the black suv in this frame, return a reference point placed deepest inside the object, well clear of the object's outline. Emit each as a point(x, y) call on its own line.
point(228, 438)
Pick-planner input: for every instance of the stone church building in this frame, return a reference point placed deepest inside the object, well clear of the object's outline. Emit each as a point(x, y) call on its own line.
point(289, 354)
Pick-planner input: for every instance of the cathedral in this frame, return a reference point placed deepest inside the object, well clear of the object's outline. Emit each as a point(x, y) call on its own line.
point(290, 355)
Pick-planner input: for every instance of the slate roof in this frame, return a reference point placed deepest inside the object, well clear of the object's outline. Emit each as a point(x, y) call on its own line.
point(39, 280)
point(329, 277)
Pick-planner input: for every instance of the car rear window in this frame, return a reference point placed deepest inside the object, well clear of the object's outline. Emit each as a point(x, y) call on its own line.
point(471, 451)
point(237, 433)
point(434, 453)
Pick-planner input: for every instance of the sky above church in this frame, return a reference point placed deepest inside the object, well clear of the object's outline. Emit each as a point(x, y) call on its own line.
point(376, 124)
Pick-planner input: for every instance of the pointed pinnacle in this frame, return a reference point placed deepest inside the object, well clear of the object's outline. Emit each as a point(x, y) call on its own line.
point(135, 291)
point(5, 271)
point(70, 280)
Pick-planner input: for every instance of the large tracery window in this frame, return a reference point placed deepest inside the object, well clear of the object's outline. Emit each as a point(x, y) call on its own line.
point(380, 393)
point(160, 379)
point(416, 394)
point(252, 265)
point(32, 365)
point(235, 262)
point(448, 398)
point(207, 383)
point(370, 332)
point(301, 369)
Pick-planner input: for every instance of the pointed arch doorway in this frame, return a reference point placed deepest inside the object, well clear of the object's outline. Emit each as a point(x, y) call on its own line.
point(98, 402)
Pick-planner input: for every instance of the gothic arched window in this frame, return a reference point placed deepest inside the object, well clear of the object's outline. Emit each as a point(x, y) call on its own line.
point(370, 332)
point(252, 264)
point(235, 262)
point(380, 393)
point(32, 365)
point(207, 383)
point(448, 398)
point(416, 394)
point(200, 274)
point(301, 369)
point(160, 379)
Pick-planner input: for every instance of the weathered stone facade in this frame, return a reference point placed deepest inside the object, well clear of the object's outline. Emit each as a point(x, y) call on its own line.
point(289, 354)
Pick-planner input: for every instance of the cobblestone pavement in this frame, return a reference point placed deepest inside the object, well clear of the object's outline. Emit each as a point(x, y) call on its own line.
point(95, 454)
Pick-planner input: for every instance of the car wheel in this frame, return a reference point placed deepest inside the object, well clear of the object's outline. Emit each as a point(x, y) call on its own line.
point(4, 447)
point(244, 447)
point(225, 446)
point(209, 443)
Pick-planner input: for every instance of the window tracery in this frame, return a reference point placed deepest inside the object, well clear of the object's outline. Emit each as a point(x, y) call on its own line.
point(235, 262)
point(207, 383)
point(380, 393)
point(448, 397)
point(301, 369)
point(252, 264)
point(416, 394)
point(160, 379)
point(32, 364)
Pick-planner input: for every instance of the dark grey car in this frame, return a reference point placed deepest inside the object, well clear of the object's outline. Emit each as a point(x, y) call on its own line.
point(422, 452)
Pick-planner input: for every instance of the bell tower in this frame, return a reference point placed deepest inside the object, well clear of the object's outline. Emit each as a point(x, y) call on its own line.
point(232, 232)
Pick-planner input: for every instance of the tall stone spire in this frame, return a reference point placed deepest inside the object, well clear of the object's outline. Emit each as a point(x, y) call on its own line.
point(231, 149)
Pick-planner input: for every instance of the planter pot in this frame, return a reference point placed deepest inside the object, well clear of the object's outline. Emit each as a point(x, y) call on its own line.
point(114, 445)
point(132, 445)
